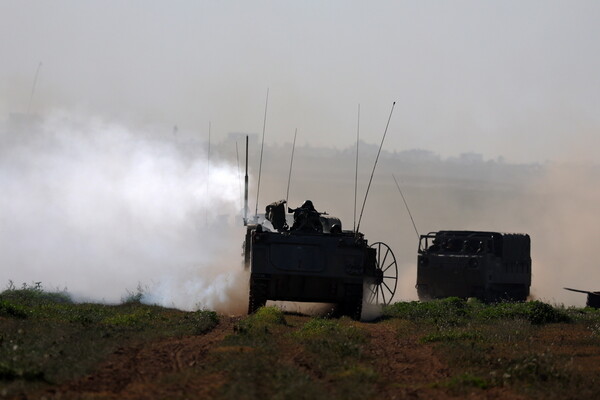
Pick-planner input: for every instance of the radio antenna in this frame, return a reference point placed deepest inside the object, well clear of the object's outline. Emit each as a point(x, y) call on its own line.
point(287, 195)
point(208, 172)
point(261, 153)
point(37, 72)
point(356, 172)
point(374, 166)
point(237, 155)
point(246, 187)
point(407, 209)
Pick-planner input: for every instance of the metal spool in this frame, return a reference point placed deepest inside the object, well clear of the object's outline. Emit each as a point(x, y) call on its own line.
point(382, 290)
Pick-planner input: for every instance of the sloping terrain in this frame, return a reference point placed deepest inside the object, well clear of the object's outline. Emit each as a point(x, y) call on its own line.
point(449, 349)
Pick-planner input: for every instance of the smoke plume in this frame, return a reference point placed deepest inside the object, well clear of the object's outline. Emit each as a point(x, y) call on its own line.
point(102, 209)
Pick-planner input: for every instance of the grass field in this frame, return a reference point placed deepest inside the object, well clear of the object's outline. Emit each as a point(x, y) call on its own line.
point(51, 347)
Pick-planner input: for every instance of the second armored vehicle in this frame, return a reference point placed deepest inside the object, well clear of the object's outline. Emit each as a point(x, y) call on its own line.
point(490, 266)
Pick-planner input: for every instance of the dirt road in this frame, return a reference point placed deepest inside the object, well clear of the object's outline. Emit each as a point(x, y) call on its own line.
point(405, 368)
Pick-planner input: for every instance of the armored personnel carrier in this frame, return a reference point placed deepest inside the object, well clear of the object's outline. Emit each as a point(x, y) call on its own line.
point(490, 266)
point(306, 256)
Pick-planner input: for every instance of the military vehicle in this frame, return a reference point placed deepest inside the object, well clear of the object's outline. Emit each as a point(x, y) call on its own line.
point(310, 258)
point(490, 266)
point(303, 255)
point(593, 298)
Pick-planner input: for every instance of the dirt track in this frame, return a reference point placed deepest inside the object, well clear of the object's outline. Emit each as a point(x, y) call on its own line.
point(406, 367)
point(130, 373)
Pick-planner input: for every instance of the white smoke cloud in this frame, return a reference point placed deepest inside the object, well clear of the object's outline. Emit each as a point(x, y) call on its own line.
point(101, 208)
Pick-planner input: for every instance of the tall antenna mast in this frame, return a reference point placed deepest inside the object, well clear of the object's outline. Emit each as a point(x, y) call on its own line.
point(37, 71)
point(356, 172)
point(208, 172)
point(246, 187)
point(287, 195)
point(374, 166)
point(407, 209)
point(261, 152)
point(237, 155)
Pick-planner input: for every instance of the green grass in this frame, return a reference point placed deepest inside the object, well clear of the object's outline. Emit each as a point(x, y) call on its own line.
point(251, 360)
point(494, 345)
point(335, 349)
point(269, 357)
point(10, 310)
point(332, 339)
point(450, 335)
point(46, 338)
point(454, 312)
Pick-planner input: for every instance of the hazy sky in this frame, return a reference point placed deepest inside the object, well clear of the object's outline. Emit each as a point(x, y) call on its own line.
point(513, 78)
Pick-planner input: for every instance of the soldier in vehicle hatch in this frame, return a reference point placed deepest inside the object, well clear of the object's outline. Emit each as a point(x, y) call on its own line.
point(306, 218)
point(435, 246)
point(275, 212)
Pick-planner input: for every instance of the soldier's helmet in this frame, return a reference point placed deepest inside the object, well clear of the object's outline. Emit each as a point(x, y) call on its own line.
point(308, 205)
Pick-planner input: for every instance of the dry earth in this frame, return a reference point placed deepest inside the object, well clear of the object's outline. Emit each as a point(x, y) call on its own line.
point(169, 369)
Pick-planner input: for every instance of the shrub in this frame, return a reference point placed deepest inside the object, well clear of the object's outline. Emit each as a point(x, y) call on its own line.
point(535, 312)
point(204, 321)
point(8, 309)
point(454, 311)
point(33, 295)
point(264, 319)
point(451, 310)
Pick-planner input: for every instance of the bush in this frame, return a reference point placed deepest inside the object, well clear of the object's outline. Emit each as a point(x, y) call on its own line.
point(262, 321)
point(203, 321)
point(34, 295)
point(535, 312)
point(454, 311)
point(8, 309)
point(451, 310)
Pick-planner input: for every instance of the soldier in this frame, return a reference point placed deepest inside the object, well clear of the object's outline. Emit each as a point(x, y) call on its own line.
point(435, 246)
point(306, 218)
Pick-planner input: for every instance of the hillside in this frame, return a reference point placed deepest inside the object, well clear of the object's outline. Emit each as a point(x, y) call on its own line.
point(52, 348)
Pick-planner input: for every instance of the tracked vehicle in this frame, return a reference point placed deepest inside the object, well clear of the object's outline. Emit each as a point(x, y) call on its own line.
point(490, 266)
point(314, 260)
point(303, 255)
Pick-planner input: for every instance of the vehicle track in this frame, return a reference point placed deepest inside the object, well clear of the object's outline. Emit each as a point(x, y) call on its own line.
point(176, 368)
point(128, 371)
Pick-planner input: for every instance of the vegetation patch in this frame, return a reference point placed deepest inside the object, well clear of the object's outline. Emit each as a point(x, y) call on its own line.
point(463, 383)
point(336, 350)
point(7, 309)
point(261, 322)
point(331, 338)
point(252, 360)
point(450, 335)
point(33, 295)
point(202, 321)
point(450, 311)
point(46, 338)
point(536, 312)
point(496, 345)
point(453, 311)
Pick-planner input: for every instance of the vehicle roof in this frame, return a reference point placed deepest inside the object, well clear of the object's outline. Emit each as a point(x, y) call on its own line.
point(474, 233)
